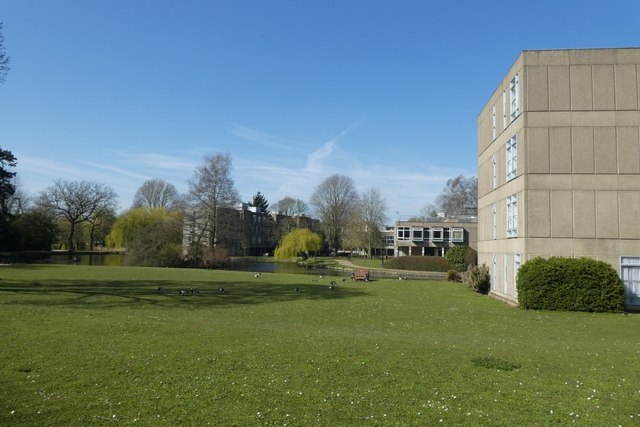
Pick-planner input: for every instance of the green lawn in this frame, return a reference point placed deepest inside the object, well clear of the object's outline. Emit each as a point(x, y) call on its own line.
point(99, 346)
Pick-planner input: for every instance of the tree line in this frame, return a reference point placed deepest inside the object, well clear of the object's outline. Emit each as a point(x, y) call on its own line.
point(81, 215)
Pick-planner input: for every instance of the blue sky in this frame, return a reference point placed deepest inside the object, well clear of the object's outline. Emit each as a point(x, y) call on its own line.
point(386, 92)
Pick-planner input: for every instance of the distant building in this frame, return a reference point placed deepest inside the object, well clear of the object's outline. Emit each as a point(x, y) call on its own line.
point(559, 164)
point(433, 237)
point(244, 231)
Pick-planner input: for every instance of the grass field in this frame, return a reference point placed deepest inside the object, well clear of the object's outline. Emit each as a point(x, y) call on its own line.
point(100, 346)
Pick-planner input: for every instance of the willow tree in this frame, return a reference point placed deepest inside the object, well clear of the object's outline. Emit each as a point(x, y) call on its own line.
point(297, 241)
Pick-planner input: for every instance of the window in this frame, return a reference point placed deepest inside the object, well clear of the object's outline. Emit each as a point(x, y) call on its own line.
point(512, 158)
point(494, 217)
point(495, 171)
point(494, 121)
point(512, 216)
point(447, 235)
point(404, 233)
point(504, 110)
point(494, 275)
point(437, 234)
point(514, 90)
point(457, 235)
point(417, 234)
point(505, 276)
point(630, 274)
point(427, 233)
point(516, 268)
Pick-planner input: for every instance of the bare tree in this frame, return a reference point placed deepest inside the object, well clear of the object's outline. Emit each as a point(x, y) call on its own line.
point(211, 190)
point(4, 59)
point(459, 197)
point(76, 202)
point(371, 217)
point(335, 200)
point(156, 193)
point(290, 206)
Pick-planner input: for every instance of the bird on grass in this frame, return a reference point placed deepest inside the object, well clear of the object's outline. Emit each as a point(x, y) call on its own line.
point(257, 275)
point(221, 290)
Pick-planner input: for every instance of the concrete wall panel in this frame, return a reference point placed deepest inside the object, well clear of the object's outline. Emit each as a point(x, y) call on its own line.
point(628, 150)
point(581, 88)
point(607, 214)
point(626, 86)
point(537, 150)
point(537, 89)
point(559, 89)
point(582, 150)
point(561, 213)
point(584, 214)
point(538, 215)
point(606, 153)
point(629, 214)
point(603, 88)
point(560, 150)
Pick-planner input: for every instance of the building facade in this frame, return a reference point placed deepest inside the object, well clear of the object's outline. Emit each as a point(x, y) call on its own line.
point(559, 164)
point(244, 230)
point(433, 237)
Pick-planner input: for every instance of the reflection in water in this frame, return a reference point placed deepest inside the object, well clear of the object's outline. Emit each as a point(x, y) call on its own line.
point(116, 260)
point(286, 268)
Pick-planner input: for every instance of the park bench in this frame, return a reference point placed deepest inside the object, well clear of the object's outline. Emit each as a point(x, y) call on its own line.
point(360, 274)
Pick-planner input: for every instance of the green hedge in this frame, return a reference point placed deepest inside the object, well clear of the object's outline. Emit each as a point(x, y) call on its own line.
point(461, 257)
point(572, 284)
point(418, 263)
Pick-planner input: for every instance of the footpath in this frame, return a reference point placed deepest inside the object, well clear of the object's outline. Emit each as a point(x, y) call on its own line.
point(389, 273)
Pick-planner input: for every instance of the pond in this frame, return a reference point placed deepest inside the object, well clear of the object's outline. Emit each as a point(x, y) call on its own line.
point(286, 268)
point(116, 260)
point(109, 259)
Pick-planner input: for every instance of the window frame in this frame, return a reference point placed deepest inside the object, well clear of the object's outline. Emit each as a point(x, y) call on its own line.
point(493, 121)
point(512, 216)
point(403, 233)
point(494, 165)
point(494, 227)
point(514, 97)
point(439, 230)
point(504, 109)
point(511, 151)
point(457, 230)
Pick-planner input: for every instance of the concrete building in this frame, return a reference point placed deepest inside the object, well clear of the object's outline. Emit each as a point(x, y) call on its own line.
point(243, 231)
point(559, 164)
point(433, 237)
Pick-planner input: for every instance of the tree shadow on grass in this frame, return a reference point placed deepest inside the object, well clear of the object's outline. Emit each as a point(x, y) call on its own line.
point(167, 293)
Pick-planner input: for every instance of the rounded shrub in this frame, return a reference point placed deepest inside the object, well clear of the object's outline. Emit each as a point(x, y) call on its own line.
point(572, 284)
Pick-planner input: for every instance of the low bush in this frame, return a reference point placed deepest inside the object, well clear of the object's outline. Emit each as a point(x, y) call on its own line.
point(572, 284)
point(478, 278)
point(418, 263)
point(454, 276)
